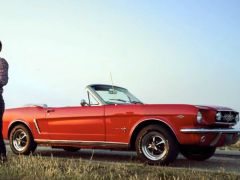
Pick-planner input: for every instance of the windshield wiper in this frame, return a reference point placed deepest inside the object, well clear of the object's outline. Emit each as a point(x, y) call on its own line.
point(121, 100)
point(136, 102)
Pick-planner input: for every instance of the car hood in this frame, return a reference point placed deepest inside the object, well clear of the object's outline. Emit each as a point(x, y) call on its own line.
point(206, 107)
point(216, 108)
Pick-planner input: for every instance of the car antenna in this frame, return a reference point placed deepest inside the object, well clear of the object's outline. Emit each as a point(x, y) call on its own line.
point(111, 80)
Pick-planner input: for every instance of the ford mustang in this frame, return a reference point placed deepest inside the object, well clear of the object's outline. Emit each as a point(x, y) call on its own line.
point(113, 118)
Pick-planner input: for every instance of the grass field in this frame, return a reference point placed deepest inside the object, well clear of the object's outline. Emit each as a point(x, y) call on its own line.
point(235, 146)
point(37, 167)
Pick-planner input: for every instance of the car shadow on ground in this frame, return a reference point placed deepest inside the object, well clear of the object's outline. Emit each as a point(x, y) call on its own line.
point(215, 163)
point(95, 155)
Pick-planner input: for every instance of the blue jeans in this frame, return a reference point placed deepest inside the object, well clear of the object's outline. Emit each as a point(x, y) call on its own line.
point(2, 144)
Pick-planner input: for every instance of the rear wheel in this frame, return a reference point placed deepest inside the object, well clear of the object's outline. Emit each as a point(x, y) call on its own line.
point(156, 145)
point(21, 140)
point(197, 153)
point(71, 149)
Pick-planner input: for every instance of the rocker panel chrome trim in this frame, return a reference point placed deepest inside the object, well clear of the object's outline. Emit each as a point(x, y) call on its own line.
point(82, 143)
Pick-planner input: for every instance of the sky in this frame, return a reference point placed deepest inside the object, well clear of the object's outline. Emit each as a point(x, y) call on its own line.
point(184, 52)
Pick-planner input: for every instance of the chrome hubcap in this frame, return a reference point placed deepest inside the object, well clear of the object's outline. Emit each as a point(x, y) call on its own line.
point(154, 146)
point(20, 140)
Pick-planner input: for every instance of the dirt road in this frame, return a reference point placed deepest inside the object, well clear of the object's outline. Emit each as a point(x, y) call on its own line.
point(228, 161)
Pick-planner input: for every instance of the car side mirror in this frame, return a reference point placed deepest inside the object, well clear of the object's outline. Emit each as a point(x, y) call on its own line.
point(83, 102)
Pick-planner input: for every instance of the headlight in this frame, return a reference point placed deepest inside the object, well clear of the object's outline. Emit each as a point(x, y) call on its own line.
point(237, 118)
point(218, 116)
point(199, 117)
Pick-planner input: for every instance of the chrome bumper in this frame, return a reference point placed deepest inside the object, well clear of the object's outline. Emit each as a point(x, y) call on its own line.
point(204, 130)
point(229, 135)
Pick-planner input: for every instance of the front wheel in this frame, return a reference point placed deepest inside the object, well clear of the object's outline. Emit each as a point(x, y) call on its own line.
point(21, 140)
point(156, 145)
point(197, 153)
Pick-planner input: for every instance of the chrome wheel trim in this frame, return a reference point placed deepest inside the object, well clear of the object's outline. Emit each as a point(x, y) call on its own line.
point(154, 146)
point(19, 140)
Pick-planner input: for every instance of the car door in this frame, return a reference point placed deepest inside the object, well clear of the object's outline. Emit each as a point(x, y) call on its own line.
point(118, 119)
point(82, 123)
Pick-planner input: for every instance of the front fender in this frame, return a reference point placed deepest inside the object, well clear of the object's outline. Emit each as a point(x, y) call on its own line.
point(152, 120)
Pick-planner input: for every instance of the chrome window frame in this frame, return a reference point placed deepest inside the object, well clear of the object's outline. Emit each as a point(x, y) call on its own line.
point(91, 91)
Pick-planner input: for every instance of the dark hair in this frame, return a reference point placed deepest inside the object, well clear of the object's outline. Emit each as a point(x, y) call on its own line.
point(0, 46)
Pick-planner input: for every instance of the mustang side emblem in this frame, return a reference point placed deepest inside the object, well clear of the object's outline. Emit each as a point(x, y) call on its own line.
point(180, 116)
point(124, 129)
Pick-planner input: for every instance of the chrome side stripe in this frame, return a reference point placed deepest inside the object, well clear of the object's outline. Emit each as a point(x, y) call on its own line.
point(82, 143)
point(36, 125)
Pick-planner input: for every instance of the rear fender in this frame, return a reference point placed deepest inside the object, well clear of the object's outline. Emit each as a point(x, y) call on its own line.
point(17, 122)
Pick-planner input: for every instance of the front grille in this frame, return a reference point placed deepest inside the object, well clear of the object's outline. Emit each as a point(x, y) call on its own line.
point(228, 116)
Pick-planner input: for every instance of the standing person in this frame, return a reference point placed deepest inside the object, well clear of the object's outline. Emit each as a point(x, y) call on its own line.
point(3, 82)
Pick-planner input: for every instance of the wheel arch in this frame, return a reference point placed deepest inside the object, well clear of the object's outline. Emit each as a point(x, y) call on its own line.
point(18, 122)
point(145, 123)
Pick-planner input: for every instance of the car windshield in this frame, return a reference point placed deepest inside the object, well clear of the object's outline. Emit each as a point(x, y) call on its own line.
point(115, 95)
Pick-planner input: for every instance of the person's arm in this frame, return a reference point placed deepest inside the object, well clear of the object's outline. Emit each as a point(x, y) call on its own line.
point(3, 72)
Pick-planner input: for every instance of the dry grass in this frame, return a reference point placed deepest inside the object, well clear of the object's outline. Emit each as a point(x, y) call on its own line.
point(37, 167)
point(235, 147)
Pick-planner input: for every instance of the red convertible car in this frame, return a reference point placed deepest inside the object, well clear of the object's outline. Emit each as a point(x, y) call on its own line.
point(112, 118)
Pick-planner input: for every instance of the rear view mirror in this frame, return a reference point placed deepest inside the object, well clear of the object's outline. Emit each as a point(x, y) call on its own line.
point(112, 91)
point(83, 102)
